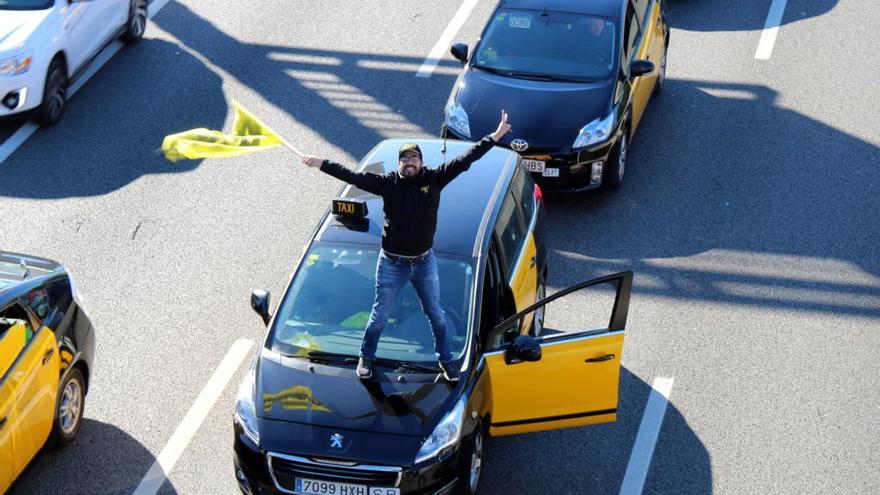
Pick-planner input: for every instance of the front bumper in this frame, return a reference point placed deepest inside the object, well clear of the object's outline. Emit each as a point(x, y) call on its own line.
point(576, 168)
point(252, 471)
point(20, 93)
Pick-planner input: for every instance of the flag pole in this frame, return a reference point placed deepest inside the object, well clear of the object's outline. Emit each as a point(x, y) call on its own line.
point(291, 148)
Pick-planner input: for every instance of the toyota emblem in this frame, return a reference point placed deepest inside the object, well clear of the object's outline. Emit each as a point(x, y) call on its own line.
point(519, 145)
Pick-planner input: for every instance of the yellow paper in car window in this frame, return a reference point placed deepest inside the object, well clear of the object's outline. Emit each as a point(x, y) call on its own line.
point(11, 344)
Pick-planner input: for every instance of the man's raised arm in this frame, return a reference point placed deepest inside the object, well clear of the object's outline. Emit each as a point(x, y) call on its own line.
point(372, 183)
point(450, 170)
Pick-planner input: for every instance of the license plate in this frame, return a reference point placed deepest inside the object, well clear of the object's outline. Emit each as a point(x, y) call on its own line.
point(305, 486)
point(533, 165)
point(550, 172)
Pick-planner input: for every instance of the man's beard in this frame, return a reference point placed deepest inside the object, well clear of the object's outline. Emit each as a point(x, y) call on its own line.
point(409, 171)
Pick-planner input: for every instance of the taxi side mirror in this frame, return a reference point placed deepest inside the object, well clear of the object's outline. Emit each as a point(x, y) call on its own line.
point(523, 348)
point(260, 303)
point(460, 52)
point(640, 68)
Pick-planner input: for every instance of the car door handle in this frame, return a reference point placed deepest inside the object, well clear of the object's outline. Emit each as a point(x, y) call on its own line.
point(2, 422)
point(532, 264)
point(606, 357)
point(48, 355)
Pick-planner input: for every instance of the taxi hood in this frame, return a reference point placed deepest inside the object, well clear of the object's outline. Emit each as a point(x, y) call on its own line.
point(333, 396)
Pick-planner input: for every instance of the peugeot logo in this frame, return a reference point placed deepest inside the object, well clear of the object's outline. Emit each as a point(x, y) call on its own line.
point(336, 441)
point(519, 145)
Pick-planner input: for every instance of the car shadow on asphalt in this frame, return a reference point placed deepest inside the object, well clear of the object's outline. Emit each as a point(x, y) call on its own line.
point(594, 459)
point(738, 15)
point(103, 460)
point(776, 203)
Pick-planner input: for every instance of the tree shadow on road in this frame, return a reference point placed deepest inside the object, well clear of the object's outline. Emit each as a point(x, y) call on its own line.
point(103, 460)
point(593, 459)
point(736, 15)
point(785, 201)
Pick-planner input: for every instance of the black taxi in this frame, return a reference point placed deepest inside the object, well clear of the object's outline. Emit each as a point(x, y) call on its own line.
point(304, 423)
point(577, 75)
point(46, 348)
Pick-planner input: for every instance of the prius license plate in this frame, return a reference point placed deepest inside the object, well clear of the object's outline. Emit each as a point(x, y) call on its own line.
point(550, 172)
point(305, 486)
point(533, 165)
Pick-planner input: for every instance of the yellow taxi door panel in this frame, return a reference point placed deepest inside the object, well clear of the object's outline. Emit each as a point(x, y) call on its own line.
point(8, 471)
point(573, 384)
point(643, 86)
point(37, 373)
point(524, 282)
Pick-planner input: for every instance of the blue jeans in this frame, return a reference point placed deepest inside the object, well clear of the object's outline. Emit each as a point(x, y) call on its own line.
point(391, 275)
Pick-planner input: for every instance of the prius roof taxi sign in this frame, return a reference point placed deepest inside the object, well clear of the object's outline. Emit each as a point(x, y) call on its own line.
point(350, 208)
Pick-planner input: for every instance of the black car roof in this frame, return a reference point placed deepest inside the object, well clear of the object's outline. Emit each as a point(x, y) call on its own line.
point(18, 271)
point(466, 205)
point(605, 8)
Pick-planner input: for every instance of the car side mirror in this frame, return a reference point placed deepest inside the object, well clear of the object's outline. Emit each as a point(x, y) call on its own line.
point(260, 303)
point(460, 52)
point(523, 348)
point(640, 68)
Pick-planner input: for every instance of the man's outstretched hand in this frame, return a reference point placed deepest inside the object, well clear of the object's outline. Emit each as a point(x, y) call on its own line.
point(312, 161)
point(503, 128)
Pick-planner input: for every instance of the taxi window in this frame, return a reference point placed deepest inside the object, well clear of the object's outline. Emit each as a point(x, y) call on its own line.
point(524, 190)
point(328, 305)
point(511, 232)
point(631, 34)
point(15, 333)
point(641, 8)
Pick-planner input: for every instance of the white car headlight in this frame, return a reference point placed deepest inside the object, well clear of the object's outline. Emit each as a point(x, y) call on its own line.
point(245, 410)
point(457, 120)
point(446, 434)
point(595, 132)
point(16, 65)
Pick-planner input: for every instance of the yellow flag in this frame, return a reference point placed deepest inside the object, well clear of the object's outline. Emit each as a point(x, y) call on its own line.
point(248, 136)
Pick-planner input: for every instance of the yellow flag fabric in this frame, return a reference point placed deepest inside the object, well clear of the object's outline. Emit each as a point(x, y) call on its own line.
point(249, 135)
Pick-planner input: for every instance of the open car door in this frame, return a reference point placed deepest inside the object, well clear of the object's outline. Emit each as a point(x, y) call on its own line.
point(560, 378)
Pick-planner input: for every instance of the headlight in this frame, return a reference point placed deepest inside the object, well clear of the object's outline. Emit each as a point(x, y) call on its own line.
point(446, 434)
point(245, 411)
point(595, 132)
point(457, 120)
point(16, 65)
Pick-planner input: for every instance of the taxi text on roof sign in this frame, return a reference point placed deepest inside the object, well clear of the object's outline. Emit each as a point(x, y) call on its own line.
point(356, 208)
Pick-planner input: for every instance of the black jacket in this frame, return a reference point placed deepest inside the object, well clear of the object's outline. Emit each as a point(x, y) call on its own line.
point(410, 204)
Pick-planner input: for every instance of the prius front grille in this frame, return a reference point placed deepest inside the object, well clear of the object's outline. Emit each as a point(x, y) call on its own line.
point(286, 468)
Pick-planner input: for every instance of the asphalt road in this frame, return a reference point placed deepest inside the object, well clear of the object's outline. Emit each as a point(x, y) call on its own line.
point(749, 214)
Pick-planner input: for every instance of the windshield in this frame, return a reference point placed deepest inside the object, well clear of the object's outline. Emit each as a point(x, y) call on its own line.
point(328, 304)
point(25, 4)
point(555, 44)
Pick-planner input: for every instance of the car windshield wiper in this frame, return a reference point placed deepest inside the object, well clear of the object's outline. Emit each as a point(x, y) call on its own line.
point(331, 356)
point(546, 77)
point(491, 69)
point(407, 365)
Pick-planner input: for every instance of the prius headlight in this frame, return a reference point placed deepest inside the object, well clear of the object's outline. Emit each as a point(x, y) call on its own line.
point(18, 64)
point(595, 132)
point(457, 120)
point(446, 434)
point(245, 410)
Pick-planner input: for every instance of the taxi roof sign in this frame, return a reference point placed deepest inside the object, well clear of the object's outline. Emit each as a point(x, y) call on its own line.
point(350, 208)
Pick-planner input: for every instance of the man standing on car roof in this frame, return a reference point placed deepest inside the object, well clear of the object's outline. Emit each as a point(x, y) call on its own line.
point(411, 197)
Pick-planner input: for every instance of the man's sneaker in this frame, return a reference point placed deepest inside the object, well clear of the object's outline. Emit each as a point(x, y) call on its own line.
point(365, 368)
point(449, 373)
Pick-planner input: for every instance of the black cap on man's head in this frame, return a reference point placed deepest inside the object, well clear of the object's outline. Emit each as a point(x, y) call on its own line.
point(410, 147)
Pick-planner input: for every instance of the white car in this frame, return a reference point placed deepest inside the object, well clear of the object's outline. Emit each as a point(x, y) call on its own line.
point(46, 44)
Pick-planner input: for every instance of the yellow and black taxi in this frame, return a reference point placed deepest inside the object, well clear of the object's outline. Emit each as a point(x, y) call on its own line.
point(46, 348)
point(577, 75)
point(305, 424)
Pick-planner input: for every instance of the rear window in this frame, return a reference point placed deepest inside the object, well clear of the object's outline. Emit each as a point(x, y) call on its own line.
point(328, 304)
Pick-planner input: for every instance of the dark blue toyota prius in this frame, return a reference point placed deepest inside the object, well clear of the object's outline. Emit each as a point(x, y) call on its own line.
point(577, 75)
point(305, 424)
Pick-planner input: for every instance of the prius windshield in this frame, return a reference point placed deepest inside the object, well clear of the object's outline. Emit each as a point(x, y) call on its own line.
point(26, 4)
point(328, 304)
point(556, 45)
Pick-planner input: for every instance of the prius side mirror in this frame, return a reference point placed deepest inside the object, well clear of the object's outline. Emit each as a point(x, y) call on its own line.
point(523, 348)
point(640, 68)
point(260, 303)
point(460, 52)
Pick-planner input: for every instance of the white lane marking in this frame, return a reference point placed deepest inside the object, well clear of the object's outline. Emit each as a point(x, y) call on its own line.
point(445, 40)
point(24, 132)
point(187, 428)
point(771, 28)
point(646, 438)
